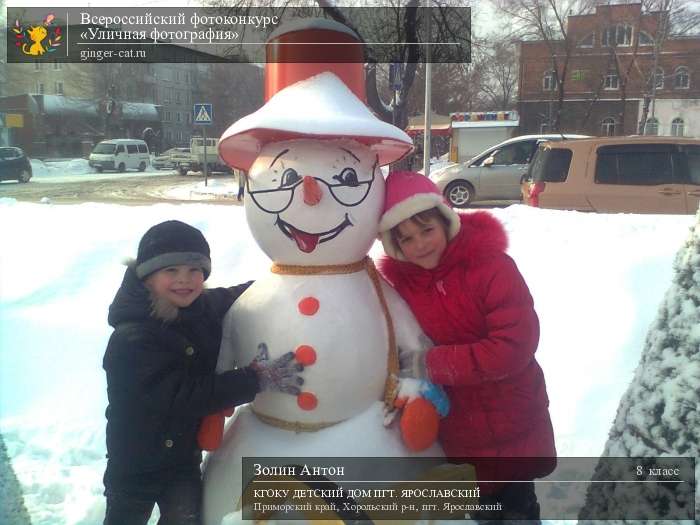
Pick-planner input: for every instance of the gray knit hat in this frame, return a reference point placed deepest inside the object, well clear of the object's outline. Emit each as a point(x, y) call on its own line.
point(172, 243)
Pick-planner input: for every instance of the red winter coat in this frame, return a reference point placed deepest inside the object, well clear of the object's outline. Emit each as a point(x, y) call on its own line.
point(478, 311)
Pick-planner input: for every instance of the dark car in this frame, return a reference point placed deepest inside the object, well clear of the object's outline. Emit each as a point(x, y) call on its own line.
point(14, 165)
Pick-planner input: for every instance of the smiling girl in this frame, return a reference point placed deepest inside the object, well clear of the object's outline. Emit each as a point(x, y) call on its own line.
point(471, 300)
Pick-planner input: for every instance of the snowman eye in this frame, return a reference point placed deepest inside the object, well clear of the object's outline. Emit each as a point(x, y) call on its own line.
point(347, 177)
point(289, 178)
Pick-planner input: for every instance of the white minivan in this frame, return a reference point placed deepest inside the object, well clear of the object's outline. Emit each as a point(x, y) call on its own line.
point(120, 155)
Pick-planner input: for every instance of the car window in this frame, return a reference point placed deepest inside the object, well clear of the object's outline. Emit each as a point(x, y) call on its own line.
point(120, 149)
point(518, 153)
point(551, 165)
point(131, 148)
point(638, 164)
point(142, 148)
point(5, 153)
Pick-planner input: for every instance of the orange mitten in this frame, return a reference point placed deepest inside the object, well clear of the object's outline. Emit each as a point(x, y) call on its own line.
point(419, 424)
point(211, 431)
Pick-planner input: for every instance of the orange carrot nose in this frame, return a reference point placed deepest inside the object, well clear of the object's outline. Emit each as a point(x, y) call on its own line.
point(312, 192)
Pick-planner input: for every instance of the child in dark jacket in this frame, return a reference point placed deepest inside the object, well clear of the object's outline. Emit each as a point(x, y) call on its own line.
point(472, 301)
point(161, 382)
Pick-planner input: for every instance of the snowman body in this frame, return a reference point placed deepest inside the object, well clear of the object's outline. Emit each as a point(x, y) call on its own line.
point(313, 207)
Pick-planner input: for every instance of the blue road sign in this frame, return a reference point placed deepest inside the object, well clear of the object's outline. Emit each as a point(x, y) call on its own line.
point(203, 113)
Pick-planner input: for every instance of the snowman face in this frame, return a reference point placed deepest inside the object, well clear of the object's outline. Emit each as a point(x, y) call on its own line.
point(315, 202)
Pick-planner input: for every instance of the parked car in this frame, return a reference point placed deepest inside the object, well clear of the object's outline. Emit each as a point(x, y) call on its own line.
point(14, 165)
point(617, 174)
point(171, 158)
point(494, 174)
point(120, 155)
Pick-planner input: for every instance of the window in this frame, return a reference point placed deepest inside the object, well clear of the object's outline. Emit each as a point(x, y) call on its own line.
point(645, 39)
point(682, 79)
point(131, 148)
point(551, 165)
point(38, 66)
point(142, 148)
point(189, 118)
point(617, 35)
point(57, 66)
point(651, 127)
point(166, 116)
point(639, 165)
point(518, 153)
point(168, 135)
point(178, 117)
point(58, 88)
point(607, 127)
point(549, 81)
point(544, 128)
point(120, 149)
point(611, 80)
point(677, 127)
point(587, 41)
point(659, 78)
point(40, 88)
point(693, 156)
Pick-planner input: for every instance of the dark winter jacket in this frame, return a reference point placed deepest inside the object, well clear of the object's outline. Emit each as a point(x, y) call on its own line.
point(478, 311)
point(161, 380)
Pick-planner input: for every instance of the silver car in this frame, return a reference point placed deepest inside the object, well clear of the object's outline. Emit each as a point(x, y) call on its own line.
point(494, 174)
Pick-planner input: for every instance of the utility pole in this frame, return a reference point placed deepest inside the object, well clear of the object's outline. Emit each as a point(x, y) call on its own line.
point(428, 93)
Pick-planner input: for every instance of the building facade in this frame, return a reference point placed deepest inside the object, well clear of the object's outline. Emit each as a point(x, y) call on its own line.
point(619, 72)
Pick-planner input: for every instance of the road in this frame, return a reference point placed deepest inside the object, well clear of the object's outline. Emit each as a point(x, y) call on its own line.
point(122, 188)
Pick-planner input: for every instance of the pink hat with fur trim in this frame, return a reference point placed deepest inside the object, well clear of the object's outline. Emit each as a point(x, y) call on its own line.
point(408, 193)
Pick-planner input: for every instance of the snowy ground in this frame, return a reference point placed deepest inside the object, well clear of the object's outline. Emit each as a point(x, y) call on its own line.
point(597, 281)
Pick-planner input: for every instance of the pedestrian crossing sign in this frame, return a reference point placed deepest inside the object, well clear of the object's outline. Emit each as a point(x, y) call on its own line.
point(203, 114)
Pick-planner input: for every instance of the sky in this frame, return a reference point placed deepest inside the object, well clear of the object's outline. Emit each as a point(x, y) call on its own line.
point(597, 281)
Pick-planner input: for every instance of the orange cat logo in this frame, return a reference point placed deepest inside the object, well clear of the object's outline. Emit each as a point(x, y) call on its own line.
point(37, 40)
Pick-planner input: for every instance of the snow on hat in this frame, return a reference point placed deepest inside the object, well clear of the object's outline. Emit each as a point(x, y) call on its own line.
point(408, 193)
point(172, 243)
point(306, 96)
point(320, 107)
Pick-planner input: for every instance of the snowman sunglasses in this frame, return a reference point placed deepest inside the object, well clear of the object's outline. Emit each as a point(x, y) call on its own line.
point(348, 191)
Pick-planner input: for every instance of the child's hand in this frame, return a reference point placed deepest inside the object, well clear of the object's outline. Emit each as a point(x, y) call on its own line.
point(280, 375)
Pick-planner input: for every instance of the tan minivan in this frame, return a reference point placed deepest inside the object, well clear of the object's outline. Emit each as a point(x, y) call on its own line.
point(616, 174)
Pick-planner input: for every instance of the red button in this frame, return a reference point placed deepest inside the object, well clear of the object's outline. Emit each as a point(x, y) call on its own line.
point(305, 355)
point(308, 305)
point(307, 401)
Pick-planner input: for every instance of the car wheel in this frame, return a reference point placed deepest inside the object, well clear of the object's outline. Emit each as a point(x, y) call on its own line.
point(24, 176)
point(98, 169)
point(121, 168)
point(182, 171)
point(459, 193)
point(142, 166)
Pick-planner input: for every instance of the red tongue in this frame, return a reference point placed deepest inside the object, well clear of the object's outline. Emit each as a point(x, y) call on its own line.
point(306, 242)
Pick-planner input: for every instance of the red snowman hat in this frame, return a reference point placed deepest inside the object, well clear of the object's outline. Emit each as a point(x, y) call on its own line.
point(312, 99)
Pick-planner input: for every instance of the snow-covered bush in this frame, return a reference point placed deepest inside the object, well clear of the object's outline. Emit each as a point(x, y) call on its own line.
point(658, 415)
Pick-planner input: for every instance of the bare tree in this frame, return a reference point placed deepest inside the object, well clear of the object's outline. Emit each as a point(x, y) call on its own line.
point(501, 74)
point(545, 20)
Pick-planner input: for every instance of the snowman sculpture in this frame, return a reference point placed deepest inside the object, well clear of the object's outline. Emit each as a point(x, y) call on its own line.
point(314, 197)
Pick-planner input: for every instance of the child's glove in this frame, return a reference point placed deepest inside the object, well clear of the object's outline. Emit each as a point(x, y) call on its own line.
point(280, 375)
point(423, 405)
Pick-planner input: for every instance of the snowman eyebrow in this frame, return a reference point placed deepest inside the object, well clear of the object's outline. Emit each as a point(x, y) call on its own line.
point(350, 153)
point(278, 156)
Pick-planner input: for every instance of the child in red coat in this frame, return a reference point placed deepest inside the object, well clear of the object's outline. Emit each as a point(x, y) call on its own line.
point(470, 299)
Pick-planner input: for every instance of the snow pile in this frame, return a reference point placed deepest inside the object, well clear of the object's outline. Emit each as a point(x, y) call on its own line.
point(215, 189)
point(658, 415)
point(60, 167)
point(596, 279)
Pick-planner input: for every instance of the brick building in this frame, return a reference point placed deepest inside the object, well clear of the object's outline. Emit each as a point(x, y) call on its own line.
point(619, 72)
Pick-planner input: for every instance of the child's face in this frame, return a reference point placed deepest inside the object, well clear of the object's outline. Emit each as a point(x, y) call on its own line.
point(422, 243)
point(180, 285)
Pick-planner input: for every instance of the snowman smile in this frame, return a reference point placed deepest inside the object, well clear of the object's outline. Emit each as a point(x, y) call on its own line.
point(307, 241)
